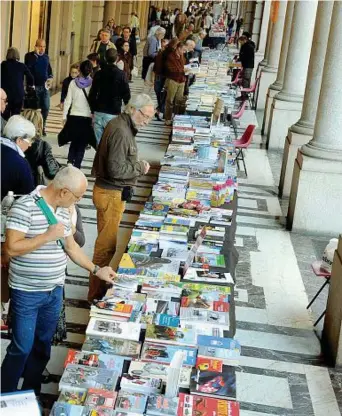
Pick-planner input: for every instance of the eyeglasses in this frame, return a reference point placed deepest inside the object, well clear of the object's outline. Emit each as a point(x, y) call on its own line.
point(146, 117)
point(77, 197)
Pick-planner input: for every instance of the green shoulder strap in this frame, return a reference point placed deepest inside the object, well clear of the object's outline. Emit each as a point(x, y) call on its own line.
point(51, 219)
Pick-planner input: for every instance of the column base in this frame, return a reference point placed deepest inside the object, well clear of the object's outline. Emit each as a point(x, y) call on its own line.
point(332, 331)
point(316, 195)
point(267, 78)
point(259, 57)
point(293, 142)
point(283, 115)
point(271, 93)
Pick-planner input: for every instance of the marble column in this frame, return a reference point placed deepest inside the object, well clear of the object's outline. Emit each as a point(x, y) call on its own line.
point(278, 84)
point(109, 11)
point(257, 20)
point(316, 191)
point(287, 104)
point(302, 132)
point(332, 331)
point(264, 27)
point(269, 72)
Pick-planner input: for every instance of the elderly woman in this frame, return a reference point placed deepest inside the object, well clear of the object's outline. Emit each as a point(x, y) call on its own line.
point(151, 48)
point(16, 173)
point(12, 81)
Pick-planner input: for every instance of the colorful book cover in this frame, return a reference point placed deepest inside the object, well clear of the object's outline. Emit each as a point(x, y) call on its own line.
point(82, 378)
point(112, 307)
point(167, 334)
point(98, 411)
point(174, 229)
point(110, 362)
point(142, 274)
point(148, 369)
point(101, 398)
point(192, 405)
point(131, 402)
point(72, 397)
point(211, 292)
point(124, 281)
point(112, 346)
point(204, 316)
point(209, 329)
point(205, 275)
point(177, 221)
point(206, 301)
point(209, 364)
point(154, 208)
point(219, 347)
point(145, 385)
point(66, 409)
point(174, 288)
point(160, 405)
point(212, 260)
point(166, 320)
point(132, 261)
point(107, 328)
point(154, 306)
point(213, 383)
point(163, 353)
point(142, 249)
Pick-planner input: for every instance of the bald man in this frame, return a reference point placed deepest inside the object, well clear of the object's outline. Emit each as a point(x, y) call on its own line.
point(3, 104)
point(38, 63)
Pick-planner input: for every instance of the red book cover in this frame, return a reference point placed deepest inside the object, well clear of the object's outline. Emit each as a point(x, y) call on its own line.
point(209, 364)
point(79, 357)
point(206, 406)
point(101, 398)
point(221, 306)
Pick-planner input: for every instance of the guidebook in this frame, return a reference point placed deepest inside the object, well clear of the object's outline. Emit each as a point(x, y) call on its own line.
point(106, 328)
point(170, 335)
point(227, 349)
point(99, 398)
point(192, 405)
point(163, 353)
point(82, 378)
point(146, 385)
point(131, 401)
point(110, 362)
point(113, 346)
point(160, 405)
point(132, 261)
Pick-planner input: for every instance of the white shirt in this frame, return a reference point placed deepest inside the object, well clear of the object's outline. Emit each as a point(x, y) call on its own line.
point(208, 22)
point(77, 101)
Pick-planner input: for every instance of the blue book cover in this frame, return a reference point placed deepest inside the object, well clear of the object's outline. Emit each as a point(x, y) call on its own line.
point(163, 319)
point(60, 408)
point(163, 353)
point(217, 342)
point(131, 401)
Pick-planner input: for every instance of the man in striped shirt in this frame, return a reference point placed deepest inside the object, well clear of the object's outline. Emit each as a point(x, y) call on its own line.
point(39, 253)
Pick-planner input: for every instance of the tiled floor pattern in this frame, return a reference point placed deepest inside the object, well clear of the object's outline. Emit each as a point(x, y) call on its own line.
point(281, 371)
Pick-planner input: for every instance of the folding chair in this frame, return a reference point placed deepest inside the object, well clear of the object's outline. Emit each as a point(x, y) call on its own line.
point(243, 143)
point(236, 116)
point(319, 272)
point(251, 91)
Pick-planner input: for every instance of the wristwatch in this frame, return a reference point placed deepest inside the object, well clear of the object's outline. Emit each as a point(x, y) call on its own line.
point(96, 269)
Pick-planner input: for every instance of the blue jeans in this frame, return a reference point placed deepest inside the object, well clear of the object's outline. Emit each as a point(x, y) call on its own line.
point(34, 320)
point(44, 101)
point(100, 122)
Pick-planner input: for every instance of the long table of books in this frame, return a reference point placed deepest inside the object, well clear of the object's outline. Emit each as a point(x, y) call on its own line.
point(161, 342)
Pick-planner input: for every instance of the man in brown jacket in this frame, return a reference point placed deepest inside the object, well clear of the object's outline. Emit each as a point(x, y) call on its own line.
point(116, 169)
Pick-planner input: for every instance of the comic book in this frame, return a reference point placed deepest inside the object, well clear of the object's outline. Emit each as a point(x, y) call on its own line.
point(82, 378)
point(191, 405)
point(110, 362)
point(112, 346)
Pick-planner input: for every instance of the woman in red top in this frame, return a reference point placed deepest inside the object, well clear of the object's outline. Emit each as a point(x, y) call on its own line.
point(175, 81)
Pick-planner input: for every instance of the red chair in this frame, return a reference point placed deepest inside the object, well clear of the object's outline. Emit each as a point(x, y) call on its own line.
point(238, 79)
point(243, 143)
point(251, 92)
point(319, 272)
point(237, 116)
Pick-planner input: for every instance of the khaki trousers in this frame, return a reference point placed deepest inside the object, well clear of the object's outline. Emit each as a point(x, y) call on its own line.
point(174, 98)
point(109, 213)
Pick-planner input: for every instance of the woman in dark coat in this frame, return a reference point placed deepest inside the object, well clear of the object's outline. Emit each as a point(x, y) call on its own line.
point(125, 56)
point(12, 81)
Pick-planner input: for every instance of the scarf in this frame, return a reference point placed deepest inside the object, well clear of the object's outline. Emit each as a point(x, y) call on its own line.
point(82, 82)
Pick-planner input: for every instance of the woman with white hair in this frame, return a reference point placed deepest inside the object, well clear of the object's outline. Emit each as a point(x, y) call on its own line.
point(151, 48)
point(16, 172)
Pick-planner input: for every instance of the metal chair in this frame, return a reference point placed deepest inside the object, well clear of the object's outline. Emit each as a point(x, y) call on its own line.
point(243, 143)
point(319, 272)
point(251, 92)
point(236, 116)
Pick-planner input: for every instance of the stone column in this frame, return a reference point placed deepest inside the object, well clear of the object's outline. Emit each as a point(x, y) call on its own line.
point(21, 27)
point(302, 132)
point(126, 10)
point(278, 84)
point(109, 11)
point(332, 331)
point(287, 104)
point(269, 72)
point(264, 27)
point(250, 14)
point(86, 41)
point(316, 192)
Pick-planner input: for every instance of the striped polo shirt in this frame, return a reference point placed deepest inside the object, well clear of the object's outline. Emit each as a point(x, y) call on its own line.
point(42, 269)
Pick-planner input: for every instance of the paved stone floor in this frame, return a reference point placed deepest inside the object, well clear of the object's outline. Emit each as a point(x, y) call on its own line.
point(281, 370)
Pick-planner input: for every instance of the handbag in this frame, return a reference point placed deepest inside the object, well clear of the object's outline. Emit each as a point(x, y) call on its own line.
point(63, 137)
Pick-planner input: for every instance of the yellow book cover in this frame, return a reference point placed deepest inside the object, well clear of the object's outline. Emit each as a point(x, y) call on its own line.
point(127, 262)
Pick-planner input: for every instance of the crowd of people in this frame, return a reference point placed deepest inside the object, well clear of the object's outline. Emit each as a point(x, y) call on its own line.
point(41, 227)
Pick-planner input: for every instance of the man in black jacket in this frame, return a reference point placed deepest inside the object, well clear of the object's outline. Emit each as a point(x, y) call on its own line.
point(246, 57)
point(109, 88)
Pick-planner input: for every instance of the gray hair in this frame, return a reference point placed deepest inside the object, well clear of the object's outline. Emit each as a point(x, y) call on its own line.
point(70, 178)
point(137, 102)
point(160, 30)
point(17, 126)
point(12, 54)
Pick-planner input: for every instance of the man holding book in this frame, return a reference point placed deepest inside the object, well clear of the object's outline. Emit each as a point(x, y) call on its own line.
point(39, 241)
point(116, 169)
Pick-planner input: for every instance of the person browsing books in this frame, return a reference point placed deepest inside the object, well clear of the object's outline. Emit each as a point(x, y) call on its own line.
point(36, 292)
point(116, 169)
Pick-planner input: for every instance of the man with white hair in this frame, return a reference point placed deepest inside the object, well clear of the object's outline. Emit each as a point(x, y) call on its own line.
point(39, 240)
point(16, 174)
point(3, 104)
point(117, 169)
point(151, 49)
